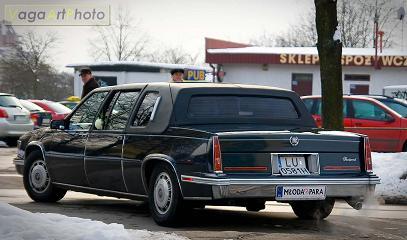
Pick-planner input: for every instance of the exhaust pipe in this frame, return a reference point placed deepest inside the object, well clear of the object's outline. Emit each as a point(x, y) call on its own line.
point(356, 203)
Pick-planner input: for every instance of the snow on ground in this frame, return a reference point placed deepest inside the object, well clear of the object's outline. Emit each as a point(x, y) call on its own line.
point(392, 169)
point(17, 224)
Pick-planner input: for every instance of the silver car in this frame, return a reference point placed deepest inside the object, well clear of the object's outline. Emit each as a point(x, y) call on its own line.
point(15, 120)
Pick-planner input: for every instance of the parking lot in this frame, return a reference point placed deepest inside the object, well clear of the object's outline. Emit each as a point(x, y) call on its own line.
point(275, 222)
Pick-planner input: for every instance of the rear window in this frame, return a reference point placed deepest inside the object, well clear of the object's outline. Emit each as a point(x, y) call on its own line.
point(9, 101)
point(31, 106)
point(241, 107)
point(57, 107)
point(398, 107)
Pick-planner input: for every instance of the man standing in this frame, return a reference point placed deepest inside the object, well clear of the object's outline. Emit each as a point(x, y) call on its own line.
point(176, 75)
point(89, 82)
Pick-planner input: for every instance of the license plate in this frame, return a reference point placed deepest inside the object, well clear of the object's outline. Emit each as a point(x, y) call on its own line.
point(292, 166)
point(45, 121)
point(20, 118)
point(300, 192)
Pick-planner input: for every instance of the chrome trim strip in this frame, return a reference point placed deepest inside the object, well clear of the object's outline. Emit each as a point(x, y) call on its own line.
point(169, 136)
point(282, 139)
point(98, 189)
point(121, 163)
point(197, 198)
point(38, 144)
point(157, 102)
point(281, 181)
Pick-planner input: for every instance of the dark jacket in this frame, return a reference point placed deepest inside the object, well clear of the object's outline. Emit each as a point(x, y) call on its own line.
point(89, 86)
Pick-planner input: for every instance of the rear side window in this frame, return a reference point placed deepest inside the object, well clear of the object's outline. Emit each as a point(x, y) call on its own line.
point(318, 108)
point(146, 109)
point(308, 104)
point(241, 107)
point(121, 111)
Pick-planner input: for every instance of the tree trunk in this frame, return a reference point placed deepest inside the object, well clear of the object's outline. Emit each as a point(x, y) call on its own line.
point(330, 52)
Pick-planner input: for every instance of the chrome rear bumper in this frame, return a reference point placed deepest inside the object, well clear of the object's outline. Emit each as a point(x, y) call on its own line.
point(266, 187)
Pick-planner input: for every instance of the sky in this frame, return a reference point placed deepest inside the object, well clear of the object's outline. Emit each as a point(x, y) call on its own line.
point(175, 23)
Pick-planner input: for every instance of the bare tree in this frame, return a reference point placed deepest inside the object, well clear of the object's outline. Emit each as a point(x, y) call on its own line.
point(28, 59)
point(330, 51)
point(123, 40)
point(355, 18)
point(176, 55)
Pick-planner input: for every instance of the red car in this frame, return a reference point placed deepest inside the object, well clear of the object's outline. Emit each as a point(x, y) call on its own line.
point(58, 111)
point(383, 119)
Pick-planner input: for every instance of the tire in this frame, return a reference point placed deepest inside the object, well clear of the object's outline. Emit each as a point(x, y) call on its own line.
point(316, 210)
point(164, 197)
point(11, 141)
point(37, 182)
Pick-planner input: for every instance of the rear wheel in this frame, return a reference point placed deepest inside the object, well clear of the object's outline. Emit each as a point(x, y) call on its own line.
point(37, 182)
point(164, 196)
point(313, 209)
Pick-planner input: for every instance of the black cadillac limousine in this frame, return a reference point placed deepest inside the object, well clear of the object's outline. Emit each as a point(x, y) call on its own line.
point(180, 145)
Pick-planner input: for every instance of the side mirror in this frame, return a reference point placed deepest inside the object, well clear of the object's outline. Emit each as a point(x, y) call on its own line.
point(57, 124)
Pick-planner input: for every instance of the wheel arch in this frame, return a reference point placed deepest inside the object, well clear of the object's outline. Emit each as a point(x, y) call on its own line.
point(152, 160)
point(34, 146)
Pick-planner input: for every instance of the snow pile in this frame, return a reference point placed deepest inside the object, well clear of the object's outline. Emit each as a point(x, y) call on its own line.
point(16, 223)
point(392, 169)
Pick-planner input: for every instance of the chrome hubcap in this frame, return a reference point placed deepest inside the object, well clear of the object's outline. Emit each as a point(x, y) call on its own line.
point(39, 178)
point(163, 193)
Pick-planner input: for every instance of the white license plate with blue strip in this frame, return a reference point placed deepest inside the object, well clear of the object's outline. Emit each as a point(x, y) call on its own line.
point(300, 192)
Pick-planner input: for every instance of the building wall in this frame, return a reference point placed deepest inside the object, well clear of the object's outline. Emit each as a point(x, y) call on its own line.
point(123, 78)
point(281, 76)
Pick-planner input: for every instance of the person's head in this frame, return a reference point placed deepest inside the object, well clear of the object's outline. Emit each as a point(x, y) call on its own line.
point(85, 74)
point(176, 75)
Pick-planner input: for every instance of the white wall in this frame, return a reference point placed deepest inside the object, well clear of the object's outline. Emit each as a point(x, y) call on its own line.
point(123, 78)
point(280, 76)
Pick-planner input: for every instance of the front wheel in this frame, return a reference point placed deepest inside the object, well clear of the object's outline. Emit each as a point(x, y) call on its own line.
point(37, 182)
point(164, 196)
point(313, 209)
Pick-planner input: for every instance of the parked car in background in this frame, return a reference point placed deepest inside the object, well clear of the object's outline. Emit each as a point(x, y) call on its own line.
point(381, 118)
point(181, 145)
point(39, 116)
point(58, 111)
point(69, 104)
point(14, 119)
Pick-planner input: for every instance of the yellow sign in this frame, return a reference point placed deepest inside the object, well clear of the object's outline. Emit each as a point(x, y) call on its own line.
point(195, 75)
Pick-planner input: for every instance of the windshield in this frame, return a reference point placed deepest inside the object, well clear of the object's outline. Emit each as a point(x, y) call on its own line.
point(57, 107)
point(31, 106)
point(9, 101)
point(398, 107)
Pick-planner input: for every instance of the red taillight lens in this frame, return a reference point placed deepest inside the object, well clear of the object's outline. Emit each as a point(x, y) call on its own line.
point(217, 156)
point(3, 113)
point(368, 156)
point(34, 118)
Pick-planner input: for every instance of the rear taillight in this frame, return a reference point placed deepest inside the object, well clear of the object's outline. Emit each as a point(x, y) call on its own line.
point(368, 155)
point(217, 156)
point(34, 118)
point(3, 113)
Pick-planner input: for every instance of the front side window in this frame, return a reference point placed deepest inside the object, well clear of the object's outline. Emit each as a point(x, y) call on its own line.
point(84, 116)
point(145, 111)
point(367, 110)
point(400, 108)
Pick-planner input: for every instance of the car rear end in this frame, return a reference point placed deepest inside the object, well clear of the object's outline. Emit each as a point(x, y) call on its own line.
point(265, 146)
point(58, 111)
point(14, 119)
point(39, 116)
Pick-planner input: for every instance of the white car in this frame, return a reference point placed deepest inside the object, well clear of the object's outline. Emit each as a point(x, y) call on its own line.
point(15, 120)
